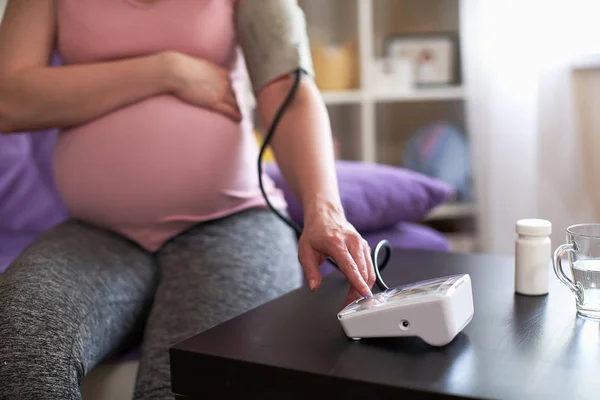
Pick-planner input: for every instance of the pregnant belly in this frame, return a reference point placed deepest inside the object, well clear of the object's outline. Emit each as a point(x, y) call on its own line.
point(156, 160)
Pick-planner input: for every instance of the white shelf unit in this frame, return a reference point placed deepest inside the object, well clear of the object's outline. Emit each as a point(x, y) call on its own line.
point(441, 94)
point(357, 96)
point(365, 95)
point(366, 121)
point(342, 97)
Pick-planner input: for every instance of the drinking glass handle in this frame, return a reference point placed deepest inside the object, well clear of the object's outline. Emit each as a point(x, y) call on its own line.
point(560, 273)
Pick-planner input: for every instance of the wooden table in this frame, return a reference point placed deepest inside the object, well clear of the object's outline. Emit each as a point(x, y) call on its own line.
point(516, 347)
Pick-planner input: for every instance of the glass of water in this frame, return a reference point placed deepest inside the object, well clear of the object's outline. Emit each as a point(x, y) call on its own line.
point(583, 248)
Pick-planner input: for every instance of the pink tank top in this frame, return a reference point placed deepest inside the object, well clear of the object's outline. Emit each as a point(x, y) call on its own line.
point(153, 169)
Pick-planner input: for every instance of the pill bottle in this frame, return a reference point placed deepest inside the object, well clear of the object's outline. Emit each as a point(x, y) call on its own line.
point(533, 258)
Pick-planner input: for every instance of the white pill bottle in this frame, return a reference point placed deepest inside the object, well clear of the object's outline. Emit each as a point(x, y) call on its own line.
point(533, 256)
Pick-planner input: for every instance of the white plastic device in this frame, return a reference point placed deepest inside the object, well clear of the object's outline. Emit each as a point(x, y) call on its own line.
point(434, 310)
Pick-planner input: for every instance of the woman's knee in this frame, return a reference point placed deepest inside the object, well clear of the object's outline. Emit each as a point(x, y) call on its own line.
point(64, 304)
point(31, 300)
point(35, 350)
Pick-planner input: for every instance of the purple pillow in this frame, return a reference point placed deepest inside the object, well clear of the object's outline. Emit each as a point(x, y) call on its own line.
point(29, 202)
point(376, 196)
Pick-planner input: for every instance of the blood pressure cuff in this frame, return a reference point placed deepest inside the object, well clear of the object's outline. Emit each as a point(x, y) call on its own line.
point(273, 38)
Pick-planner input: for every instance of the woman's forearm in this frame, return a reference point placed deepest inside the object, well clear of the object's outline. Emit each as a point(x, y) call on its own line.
point(303, 144)
point(54, 97)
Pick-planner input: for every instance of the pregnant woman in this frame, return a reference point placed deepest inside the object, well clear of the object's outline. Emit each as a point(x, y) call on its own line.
point(156, 161)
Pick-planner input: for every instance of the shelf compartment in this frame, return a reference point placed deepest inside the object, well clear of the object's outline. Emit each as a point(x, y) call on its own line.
point(409, 17)
point(332, 27)
point(346, 129)
point(428, 32)
point(396, 122)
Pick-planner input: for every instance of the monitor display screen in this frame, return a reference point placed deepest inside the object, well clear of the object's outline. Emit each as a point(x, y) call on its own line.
point(403, 293)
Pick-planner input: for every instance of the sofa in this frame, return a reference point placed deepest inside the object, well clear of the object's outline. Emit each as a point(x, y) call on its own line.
point(382, 202)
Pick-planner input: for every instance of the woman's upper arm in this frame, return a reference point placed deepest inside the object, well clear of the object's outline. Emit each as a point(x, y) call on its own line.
point(273, 38)
point(27, 35)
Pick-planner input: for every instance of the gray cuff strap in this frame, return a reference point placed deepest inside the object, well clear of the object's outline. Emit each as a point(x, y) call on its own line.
point(273, 38)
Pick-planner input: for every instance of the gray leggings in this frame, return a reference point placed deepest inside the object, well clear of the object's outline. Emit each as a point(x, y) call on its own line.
point(80, 294)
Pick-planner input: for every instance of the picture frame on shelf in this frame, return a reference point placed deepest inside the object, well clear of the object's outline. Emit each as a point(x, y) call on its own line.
point(393, 75)
point(433, 56)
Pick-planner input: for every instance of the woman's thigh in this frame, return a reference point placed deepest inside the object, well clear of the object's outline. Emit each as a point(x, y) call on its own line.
point(73, 297)
point(210, 274)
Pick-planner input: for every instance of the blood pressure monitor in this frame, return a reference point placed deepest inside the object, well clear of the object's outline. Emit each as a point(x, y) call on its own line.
point(435, 310)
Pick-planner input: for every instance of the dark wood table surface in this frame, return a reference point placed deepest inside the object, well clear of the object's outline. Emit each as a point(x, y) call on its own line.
point(516, 347)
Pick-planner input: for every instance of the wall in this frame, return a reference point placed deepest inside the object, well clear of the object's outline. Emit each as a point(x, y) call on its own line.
point(569, 166)
point(2, 6)
point(569, 126)
point(529, 116)
point(501, 114)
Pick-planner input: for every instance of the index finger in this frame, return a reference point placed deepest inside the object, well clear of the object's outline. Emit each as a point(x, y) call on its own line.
point(370, 265)
point(348, 267)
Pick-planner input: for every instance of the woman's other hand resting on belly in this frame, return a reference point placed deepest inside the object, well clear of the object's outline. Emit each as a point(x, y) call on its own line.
point(35, 96)
point(205, 84)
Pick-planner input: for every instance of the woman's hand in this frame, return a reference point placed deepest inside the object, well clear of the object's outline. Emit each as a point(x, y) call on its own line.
point(204, 84)
point(327, 233)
